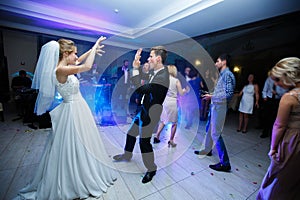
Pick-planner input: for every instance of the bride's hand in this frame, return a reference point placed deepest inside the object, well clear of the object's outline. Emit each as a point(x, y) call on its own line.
point(136, 63)
point(99, 50)
point(99, 47)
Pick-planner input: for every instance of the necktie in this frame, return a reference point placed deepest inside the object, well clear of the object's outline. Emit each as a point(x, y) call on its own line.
point(151, 76)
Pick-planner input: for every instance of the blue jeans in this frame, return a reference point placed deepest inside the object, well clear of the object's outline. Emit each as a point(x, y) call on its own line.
point(214, 130)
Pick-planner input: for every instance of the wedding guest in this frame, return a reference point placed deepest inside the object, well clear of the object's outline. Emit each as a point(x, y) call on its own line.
point(192, 102)
point(271, 95)
point(223, 92)
point(246, 104)
point(281, 180)
point(124, 78)
point(19, 83)
point(170, 107)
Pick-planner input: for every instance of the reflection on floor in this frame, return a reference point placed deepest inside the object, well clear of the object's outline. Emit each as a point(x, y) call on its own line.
point(181, 174)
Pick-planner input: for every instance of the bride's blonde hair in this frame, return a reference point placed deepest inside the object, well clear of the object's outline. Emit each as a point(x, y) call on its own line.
point(65, 46)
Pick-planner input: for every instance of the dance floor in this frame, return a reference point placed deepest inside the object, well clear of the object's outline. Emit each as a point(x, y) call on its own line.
point(181, 174)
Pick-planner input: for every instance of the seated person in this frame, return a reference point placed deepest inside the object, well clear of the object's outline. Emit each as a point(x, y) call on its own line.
point(20, 83)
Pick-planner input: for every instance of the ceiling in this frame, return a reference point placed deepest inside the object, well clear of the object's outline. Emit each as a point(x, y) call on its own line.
point(133, 22)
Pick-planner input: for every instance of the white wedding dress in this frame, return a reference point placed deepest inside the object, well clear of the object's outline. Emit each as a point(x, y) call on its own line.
point(75, 163)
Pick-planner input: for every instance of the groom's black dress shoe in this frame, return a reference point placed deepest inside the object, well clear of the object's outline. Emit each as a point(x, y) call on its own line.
point(148, 176)
point(122, 157)
point(220, 167)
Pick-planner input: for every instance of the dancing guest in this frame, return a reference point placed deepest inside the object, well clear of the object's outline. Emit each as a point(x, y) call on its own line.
point(153, 95)
point(74, 163)
point(281, 180)
point(192, 101)
point(170, 107)
point(222, 94)
point(246, 103)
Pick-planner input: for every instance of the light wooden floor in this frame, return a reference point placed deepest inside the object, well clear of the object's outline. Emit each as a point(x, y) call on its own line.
point(181, 174)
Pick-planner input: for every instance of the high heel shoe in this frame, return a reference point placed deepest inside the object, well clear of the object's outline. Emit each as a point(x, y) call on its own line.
point(172, 144)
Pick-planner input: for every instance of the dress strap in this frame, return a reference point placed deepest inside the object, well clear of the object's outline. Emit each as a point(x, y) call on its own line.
point(296, 93)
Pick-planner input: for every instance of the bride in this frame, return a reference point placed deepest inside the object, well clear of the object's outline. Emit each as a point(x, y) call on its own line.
point(75, 163)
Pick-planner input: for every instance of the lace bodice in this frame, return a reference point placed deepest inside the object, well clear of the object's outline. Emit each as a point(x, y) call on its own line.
point(70, 89)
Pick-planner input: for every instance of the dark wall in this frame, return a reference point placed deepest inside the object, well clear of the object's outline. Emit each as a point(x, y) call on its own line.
point(4, 83)
point(256, 47)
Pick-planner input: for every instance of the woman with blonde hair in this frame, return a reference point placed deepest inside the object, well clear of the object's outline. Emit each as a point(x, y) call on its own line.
point(170, 108)
point(281, 180)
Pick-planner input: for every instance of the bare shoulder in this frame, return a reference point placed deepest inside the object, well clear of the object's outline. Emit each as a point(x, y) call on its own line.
point(59, 70)
point(289, 98)
point(295, 93)
point(60, 77)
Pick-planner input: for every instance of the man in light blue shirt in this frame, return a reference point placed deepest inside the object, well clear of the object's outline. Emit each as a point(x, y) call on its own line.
point(222, 94)
point(270, 89)
point(271, 95)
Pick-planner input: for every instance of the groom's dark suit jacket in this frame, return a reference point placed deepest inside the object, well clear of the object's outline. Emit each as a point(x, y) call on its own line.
point(154, 95)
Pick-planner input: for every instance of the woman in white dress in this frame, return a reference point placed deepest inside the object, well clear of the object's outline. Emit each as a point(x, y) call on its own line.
point(170, 108)
point(246, 103)
point(74, 164)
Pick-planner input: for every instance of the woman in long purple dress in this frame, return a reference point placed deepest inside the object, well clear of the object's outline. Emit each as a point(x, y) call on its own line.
point(282, 180)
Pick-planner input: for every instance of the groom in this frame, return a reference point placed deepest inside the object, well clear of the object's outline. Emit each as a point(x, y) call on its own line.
point(153, 94)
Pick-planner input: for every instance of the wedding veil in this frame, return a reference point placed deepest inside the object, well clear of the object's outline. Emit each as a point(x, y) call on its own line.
point(44, 77)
